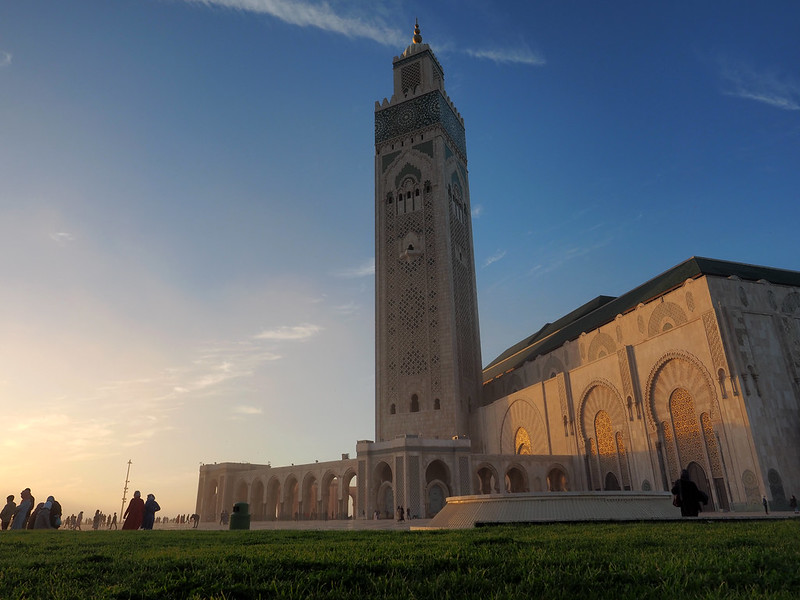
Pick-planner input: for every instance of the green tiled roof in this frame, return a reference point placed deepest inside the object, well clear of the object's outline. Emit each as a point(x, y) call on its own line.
point(604, 309)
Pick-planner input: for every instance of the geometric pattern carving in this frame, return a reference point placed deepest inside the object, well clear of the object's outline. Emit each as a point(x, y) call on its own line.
point(606, 448)
point(605, 435)
point(602, 345)
point(665, 316)
point(625, 372)
point(522, 442)
point(714, 340)
point(711, 446)
point(669, 446)
point(523, 414)
point(751, 492)
point(418, 113)
point(410, 76)
point(687, 428)
point(600, 396)
point(678, 369)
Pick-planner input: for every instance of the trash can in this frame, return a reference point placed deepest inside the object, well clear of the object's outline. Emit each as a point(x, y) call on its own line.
point(240, 517)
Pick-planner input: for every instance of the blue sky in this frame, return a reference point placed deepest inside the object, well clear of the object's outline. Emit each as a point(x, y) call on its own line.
point(186, 204)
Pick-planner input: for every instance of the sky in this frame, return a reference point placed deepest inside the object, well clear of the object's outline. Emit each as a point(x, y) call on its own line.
point(187, 205)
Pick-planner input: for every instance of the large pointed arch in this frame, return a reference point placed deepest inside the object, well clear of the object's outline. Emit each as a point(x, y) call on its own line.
point(522, 413)
point(679, 369)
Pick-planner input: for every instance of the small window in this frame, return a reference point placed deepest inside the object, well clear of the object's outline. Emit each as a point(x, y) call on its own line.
point(414, 403)
point(392, 410)
point(436, 404)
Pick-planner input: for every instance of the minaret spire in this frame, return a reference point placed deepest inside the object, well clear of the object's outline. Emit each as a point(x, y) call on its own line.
point(417, 35)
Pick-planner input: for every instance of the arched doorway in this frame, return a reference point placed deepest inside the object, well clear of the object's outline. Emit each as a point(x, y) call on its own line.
point(557, 480)
point(384, 491)
point(257, 501)
point(437, 493)
point(516, 482)
point(611, 483)
point(350, 493)
point(273, 504)
point(330, 497)
point(310, 495)
point(291, 503)
point(487, 480)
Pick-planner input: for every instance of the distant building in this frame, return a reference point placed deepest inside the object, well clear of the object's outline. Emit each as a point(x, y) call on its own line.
point(697, 369)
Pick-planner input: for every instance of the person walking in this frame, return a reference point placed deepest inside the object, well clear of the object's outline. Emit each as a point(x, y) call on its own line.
point(688, 496)
point(151, 507)
point(792, 504)
point(766, 504)
point(8, 512)
point(42, 519)
point(113, 522)
point(134, 513)
point(55, 512)
point(23, 510)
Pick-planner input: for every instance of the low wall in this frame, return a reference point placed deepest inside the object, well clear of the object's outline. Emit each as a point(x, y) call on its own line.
point(464, 512)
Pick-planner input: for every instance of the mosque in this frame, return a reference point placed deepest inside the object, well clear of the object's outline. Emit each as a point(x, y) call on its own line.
point(698, 368)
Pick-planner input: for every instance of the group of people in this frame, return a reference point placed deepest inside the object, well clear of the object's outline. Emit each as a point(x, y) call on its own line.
point(140, 514)
point(28, 514)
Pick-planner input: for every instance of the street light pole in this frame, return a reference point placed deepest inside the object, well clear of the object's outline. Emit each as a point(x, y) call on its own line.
point(125, 490)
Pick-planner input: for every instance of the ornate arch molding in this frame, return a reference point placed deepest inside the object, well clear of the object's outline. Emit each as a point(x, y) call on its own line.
point(675, 369)
point(418, 161)
point(522, 413)
point(601, 342)
point(553, 363)
point(599, 395)
point(665, 312)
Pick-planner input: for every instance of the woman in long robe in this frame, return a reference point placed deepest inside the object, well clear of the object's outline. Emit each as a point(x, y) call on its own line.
point(134, 513)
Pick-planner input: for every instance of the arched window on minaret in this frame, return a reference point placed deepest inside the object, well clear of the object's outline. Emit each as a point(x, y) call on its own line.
point(408, 196)
point(414, 403)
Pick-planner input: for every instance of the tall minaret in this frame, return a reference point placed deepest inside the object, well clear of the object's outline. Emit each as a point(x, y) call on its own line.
point(427, 354)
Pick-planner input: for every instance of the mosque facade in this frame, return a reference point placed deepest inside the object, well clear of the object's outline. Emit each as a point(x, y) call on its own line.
point(697, 369)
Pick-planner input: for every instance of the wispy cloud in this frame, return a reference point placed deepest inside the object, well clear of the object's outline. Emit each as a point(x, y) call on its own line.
point(764, 86)
point(347, 310)
point(477, 211)
point(319, 15)
point(365, 269)
point(297, 332)
point(494, 258)
point(519, 55)
point(62, 237)
point(5, 59)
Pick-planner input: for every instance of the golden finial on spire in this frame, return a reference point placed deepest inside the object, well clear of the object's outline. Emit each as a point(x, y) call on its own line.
point(417, 36)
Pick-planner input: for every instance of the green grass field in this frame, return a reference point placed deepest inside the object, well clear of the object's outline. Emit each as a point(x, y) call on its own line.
point(757, 559)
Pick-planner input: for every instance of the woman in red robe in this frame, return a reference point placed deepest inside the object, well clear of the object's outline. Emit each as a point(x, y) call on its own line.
point(134, 513)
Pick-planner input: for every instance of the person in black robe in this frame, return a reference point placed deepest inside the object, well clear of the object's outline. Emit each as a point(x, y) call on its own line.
point(688, 496)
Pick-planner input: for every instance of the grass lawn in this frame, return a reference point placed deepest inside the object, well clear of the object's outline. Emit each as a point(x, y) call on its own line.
point(757, 559)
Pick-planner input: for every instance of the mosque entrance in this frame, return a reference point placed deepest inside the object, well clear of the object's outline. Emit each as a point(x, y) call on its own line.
point(698, 475)
point(436, 496)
